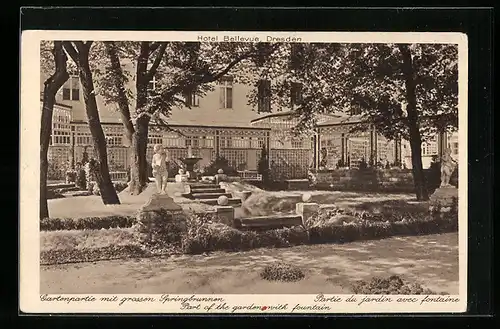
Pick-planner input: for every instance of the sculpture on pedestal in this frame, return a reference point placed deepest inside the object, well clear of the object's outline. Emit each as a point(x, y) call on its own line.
point(448, 165)
point(160, 171)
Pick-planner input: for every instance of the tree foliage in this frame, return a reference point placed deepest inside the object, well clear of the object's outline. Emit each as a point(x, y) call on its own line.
point(366, 79)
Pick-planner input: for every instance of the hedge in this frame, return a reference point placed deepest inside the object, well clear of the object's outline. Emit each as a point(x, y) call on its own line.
point(87, 223)
point(197, 234)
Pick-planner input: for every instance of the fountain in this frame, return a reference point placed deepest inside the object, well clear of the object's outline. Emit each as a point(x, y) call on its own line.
point(189, 162)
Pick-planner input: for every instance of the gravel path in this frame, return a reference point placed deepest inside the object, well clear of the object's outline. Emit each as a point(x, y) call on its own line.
point(430, 260)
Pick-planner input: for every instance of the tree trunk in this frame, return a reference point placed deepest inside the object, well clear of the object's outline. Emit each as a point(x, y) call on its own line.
point(413, 125)
point(138, 163)
point(140, 139)
point(123, 106)
point(142, 133)
point(51, 86)
point(108, 192)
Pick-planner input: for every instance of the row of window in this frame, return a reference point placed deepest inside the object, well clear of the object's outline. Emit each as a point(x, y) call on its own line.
point(63, 137)
point(71, 92)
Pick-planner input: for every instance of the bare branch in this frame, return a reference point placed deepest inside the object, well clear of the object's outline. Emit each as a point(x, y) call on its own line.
point(153, 46)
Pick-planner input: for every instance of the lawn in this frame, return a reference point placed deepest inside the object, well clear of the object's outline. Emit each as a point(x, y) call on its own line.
point(258, 204)
point(430, 260)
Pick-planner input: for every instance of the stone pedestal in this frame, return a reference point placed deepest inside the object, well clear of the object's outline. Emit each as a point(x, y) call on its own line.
point(181, 178)
point(444, 198)
point(161, 202)
point(306, 210)
point(225, 215)
point(156, 216)
point(219, 178)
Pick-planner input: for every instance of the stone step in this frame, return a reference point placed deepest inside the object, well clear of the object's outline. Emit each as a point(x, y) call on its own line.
point(213, 202)
point(68, 189)
point(275, 221)
point(202, 185)
point(209, 195)
point(76, 193)
point(58, 186)
point(208, 190)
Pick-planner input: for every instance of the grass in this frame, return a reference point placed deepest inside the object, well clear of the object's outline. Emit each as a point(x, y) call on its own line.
point(64, 246)
point(431, 260)
point(81, 239)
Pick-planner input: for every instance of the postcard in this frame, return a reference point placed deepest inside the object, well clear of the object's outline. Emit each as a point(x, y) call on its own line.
point(202, 172)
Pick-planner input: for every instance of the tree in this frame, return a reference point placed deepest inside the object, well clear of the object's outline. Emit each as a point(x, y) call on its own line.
point(181, 69)
point(376, 81)
point(406, 91)
point(56, 62)
point(79, 53)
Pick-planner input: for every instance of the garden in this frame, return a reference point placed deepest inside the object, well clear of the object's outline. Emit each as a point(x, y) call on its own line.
point(84, 231)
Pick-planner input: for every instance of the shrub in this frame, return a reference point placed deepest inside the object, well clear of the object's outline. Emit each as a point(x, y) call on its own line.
point(393, 285)
point(54, 172)
point(363, 164)
point(325, 227)
point(220, 163)
point(206, 234)
point(86, 223)
point(71, 176)
point(173, 169)
point(93, 188)
point(282, 272)
point(81, 179)
point(263, 165)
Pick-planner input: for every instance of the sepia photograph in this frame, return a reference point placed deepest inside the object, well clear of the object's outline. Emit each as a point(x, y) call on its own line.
point(274, 164)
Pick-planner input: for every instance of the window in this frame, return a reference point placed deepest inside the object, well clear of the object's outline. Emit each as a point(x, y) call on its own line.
point(152, 85)
point(192, 100)
point(296, 93)
point(71, 89)
point(193, 141)
point(430, 147)
point(154, 139)
point(355, 111)
point(455, 148)
point(226, 142)
point(264, 95)
point(297, 143)
point(226, 93)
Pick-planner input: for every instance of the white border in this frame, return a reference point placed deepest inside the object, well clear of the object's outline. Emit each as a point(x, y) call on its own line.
point(29, 175)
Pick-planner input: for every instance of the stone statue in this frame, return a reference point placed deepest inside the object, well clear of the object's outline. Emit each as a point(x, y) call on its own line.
point(324, 160)
point(448, 165)
point(160, 170)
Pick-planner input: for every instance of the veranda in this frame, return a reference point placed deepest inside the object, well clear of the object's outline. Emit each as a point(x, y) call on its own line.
point(330, 146)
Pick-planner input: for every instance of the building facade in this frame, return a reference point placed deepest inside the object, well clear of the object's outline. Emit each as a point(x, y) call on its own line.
point(222, 123)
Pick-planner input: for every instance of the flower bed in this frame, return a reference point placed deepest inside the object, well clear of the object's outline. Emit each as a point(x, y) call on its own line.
point(62, 256)
point(86, 223)
point(393, 285)
point(282, 272)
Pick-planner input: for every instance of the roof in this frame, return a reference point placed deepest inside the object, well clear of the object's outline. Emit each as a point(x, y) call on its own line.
point(219, 117)
point(325, 119)
point(58, 104)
